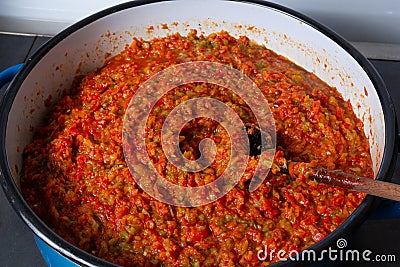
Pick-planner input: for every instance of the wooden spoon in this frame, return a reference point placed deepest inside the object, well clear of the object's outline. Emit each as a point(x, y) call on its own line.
point(346, 180)
point(331, 177)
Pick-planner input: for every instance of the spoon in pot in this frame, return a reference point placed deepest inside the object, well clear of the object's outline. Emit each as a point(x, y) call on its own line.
point(330, 177)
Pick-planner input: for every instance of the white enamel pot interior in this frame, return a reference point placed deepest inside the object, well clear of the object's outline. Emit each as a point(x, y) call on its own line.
point(86, 45)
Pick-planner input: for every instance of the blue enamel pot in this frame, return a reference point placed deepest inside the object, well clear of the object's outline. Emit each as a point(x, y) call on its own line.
point(86, 45)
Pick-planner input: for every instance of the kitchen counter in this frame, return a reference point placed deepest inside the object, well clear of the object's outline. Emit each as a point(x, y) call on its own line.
point(17, 246)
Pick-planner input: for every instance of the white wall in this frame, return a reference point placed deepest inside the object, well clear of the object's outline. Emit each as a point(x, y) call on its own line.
point(356, 20)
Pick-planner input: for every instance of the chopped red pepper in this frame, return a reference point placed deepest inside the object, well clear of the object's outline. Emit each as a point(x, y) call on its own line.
point(76, 179)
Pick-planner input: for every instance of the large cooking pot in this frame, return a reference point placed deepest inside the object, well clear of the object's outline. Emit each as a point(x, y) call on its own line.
point(87, 44)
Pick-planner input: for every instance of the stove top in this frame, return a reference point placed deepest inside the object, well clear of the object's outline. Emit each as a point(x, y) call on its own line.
point(378, 234)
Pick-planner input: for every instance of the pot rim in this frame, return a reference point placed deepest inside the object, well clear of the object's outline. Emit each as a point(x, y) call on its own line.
point(81, 257)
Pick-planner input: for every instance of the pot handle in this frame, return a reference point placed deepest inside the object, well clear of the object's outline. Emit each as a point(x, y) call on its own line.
point(387, 209)
point(8, 74)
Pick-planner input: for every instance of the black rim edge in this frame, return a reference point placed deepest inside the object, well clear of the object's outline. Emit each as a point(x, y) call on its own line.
point(42, 230)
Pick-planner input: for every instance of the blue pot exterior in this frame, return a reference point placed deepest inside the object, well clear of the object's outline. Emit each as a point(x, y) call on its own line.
point(52, 257)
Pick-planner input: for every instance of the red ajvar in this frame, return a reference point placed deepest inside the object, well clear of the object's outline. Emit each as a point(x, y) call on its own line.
point(76, 179)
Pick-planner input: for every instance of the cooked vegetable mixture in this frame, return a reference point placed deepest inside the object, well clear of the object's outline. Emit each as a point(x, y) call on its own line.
point(76, 179)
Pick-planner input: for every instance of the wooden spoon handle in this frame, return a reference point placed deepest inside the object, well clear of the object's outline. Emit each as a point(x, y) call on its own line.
point(357, 183)
point(332, 177)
